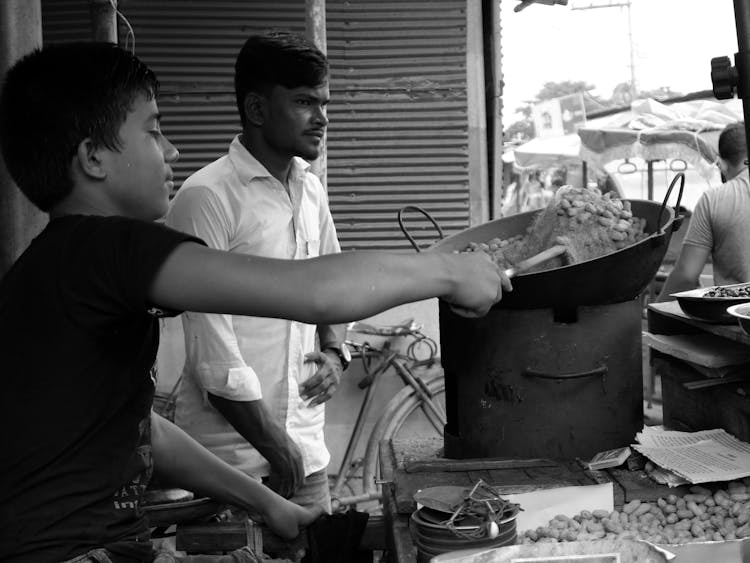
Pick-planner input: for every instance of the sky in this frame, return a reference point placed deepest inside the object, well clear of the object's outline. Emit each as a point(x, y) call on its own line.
point(673, 44)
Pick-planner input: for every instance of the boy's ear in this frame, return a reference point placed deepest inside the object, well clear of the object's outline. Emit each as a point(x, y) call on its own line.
point(254, 107)
point(88, 158)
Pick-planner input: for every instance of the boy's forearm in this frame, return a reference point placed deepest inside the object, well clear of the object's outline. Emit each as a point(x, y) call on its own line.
point(181, 461)
point(329, 289)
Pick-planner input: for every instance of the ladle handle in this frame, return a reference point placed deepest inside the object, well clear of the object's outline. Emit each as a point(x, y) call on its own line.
point(405, 230)
point(535, 260)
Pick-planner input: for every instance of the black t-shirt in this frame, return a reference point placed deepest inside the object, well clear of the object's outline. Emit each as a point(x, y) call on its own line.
point(78, 338)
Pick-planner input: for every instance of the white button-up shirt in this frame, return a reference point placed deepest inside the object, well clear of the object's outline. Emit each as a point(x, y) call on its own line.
point(235, 204)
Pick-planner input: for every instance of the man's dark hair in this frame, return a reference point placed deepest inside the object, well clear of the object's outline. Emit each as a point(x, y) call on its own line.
point(57, 96)
point(277, 59)
point(733, 143)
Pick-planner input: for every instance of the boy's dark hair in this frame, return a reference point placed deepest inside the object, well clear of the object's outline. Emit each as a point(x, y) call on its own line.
point(277, 58)
point(733, 143)
point(57, 96)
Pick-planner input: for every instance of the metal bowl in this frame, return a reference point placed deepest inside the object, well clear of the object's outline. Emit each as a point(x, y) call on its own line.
point(696, 304)
point(742, 313)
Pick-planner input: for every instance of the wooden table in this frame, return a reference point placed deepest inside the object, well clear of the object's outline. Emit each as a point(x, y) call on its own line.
point(693, 397)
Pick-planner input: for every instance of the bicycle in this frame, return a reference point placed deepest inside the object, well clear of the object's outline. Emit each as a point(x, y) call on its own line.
point(417, 394)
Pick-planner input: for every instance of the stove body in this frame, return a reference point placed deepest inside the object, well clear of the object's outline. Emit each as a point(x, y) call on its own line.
point(561, 383)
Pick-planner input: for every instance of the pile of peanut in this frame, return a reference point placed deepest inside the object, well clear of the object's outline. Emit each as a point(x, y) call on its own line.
point(588, 223)
point(701, 515)
point(609, 215)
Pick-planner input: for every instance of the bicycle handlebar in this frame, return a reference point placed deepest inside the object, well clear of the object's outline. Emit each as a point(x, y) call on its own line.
point(404, 329)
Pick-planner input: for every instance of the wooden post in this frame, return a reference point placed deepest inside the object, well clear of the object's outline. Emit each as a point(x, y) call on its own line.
point(315, 27)
point(20, 221)
point(479, 204)
point(498, 83)
point(103, 20)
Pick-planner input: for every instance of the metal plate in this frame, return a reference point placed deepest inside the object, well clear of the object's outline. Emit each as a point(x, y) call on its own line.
point(697, 305)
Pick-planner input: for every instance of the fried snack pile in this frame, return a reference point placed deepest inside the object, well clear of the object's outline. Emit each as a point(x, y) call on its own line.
point(704, 514)
point(588, 223)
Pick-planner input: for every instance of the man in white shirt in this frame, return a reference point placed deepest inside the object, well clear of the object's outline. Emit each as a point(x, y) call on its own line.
point(719, 227)
point(253, 389)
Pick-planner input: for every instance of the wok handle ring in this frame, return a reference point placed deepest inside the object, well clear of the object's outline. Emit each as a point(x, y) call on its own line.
point(406, 231)
point(600, 371)
point(677, 221)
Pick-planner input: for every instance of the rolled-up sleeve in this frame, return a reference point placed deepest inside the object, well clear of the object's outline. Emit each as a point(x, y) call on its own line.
point(700, 232)
point(212, 355)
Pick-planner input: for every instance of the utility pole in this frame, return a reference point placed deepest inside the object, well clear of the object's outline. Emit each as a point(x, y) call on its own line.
point(315, 28)
point(618, 4)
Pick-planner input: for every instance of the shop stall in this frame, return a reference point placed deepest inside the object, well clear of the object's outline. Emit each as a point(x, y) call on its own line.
point(548, 379)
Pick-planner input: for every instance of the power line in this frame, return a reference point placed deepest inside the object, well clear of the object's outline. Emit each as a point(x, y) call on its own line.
point(593, 5)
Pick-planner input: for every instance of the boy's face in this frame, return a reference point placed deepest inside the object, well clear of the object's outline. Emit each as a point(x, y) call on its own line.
point(139, 175)
point(295, 120)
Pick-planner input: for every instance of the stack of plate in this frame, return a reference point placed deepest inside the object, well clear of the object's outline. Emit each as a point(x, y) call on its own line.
point(433, 536)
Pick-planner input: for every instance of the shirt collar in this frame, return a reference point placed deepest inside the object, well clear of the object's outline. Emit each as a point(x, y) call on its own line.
point(248, 167)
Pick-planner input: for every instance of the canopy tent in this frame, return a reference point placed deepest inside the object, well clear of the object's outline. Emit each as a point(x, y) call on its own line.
point(543, 152)
point(550, 151)
point(655, 131)
point(650, 130)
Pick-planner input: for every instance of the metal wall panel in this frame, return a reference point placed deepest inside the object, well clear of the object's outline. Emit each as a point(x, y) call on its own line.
point(399, 128)
point(65, 20)
point(192, 45)
point(399, 118)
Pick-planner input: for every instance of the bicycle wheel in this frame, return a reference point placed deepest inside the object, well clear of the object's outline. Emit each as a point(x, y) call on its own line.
point(401, 415)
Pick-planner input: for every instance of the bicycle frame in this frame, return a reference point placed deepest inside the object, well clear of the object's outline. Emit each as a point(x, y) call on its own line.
point(376, 362)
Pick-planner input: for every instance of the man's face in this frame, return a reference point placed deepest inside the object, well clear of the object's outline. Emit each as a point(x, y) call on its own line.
point(295, 120)
point(139, 175)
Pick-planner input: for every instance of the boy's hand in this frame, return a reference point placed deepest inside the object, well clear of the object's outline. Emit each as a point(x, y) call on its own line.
point(321, 386)
point(479, 284)
point(286, 519)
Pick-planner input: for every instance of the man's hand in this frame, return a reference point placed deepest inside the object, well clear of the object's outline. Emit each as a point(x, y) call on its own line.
point(287, 471)
point(321, 386)
point(254, 421)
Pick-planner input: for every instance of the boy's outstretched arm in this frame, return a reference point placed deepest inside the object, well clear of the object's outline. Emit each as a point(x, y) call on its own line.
point(181, 461)
point(329, 289)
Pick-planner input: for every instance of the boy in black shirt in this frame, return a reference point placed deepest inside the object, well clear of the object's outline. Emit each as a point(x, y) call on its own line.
point(79, 311)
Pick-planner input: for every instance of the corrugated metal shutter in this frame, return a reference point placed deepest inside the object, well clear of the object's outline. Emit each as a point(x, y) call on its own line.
point(192, 45)
point(65, 20)
point(399, 115)
point(398, 132)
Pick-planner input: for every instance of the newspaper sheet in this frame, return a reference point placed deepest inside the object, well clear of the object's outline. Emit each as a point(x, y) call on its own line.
point(698, 457)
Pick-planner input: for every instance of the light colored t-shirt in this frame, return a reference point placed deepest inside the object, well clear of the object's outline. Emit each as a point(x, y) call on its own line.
point(721, 223)
point(235, 204)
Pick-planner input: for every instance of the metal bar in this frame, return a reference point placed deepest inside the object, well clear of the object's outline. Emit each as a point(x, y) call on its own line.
point(742, 23)
point(20, 220)
point(103, 20)
point(650, 179)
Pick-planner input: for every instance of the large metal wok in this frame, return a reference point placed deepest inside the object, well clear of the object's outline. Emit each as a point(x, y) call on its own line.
point(612, 278)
